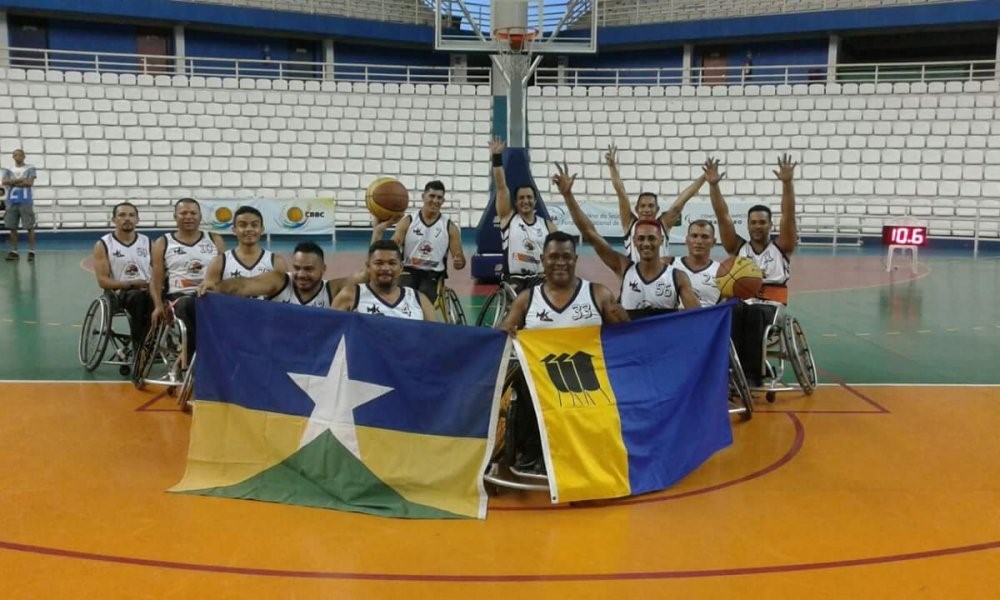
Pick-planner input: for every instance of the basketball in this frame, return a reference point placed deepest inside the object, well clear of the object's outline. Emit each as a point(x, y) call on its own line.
point(295, 214)
point(223, 214)
point(387, 198)
point(739, 277)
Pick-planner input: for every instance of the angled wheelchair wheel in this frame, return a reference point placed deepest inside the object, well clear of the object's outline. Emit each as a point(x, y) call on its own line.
point(186, 391)
point(494, 309)
point(503, 444)
point(454, 313)
point(740, 398)
point(145, 354)
point(800, 356)
point(95, 333)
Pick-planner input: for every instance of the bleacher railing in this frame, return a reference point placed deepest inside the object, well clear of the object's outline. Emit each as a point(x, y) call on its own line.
point(770, 75)
point(395, 11)
point(149, 64)
point(640, 12)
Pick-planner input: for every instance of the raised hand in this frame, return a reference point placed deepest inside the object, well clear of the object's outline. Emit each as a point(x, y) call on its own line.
point(786, 168)
point(611, 156)
point(711, 170)
point(563, 180)
point(496, 145)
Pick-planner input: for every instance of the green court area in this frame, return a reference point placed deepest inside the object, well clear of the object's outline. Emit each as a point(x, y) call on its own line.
point(941, 325)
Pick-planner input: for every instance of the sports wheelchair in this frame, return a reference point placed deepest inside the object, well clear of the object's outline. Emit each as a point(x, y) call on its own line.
point(448, 305)
point(496, 306)
point(785, 342)
point(502, 472)
point(99, 331)
point(162, 359)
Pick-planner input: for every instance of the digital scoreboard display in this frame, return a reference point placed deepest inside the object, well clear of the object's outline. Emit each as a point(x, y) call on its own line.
point(904, 235)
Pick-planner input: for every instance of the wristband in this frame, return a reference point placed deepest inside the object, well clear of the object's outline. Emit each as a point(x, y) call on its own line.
point(498, 160)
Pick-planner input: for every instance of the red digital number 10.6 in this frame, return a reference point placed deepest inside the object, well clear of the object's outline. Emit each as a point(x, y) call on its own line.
point(907, 235)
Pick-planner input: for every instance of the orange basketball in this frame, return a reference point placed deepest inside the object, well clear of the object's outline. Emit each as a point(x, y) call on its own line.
point(387, 198)
point(739, 277)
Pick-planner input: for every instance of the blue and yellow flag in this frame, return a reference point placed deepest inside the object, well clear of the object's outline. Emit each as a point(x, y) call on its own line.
point(630, 408)
point(338, 410)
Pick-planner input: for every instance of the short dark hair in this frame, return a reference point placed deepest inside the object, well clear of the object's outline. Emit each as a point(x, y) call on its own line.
point(385, 245)
point(559, 236)
point(189, 200)
point(309, 248)
point(248, 210)
point(644, 194)
point(114, 210)
point(759, 208)
point(702, 223)
point(526, 185)
point(435, 185)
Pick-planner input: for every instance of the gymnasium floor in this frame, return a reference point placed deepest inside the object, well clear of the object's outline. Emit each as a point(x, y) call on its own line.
point(884, 483)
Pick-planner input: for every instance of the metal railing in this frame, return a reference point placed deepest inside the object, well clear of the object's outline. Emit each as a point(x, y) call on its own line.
point(418, 12)
point(149, 64)
point(770, 75)
point(640, 12)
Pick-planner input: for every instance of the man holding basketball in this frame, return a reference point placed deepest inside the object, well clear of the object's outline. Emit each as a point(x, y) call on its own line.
point(771, 255)
point(427, 237)
point(650, 286)
point(381, 294)
point(522, 232)
point(646, 207)
point(562, 300)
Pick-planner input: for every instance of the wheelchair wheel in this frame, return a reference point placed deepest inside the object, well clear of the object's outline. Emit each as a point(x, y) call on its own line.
point(95, 333)
point(503, 448)
point(186, 391)
point(454, 313)
point(145, 354)
point(800, 355)
point(739, 388)
point(494, 309)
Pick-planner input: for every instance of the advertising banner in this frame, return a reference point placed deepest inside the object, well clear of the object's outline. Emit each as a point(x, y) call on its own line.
point(300, 216)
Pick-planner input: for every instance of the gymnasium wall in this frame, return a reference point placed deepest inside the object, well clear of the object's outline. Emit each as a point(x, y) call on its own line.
point(866, 151)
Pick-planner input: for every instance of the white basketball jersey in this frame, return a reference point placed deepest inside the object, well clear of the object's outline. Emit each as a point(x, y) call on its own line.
point(772, 261)
point(290, 295)
point(367, 302)
point(658, 293)
point(232, 266)
point(579, 312)
point(522, 245)
point(702, 281)
point(186, 264)
point(129, 262)
point(426, 246)
point(633, 253)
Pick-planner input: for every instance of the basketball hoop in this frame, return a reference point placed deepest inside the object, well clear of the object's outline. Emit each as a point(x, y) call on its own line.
point(513, 55)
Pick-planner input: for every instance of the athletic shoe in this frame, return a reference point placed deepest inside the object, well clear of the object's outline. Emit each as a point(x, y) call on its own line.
point(12, 256)
point(31, 256)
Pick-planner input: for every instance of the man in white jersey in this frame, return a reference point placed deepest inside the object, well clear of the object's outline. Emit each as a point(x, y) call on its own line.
point(650, 286)
point(562, 300)
point(18, 181)
point(381, 294)
point(522, 231)
point(698, 263)
point(122, 267)
point(248, 258)
point(427, 237)
point(180, 260)
point(749, 321)
point(646, 207)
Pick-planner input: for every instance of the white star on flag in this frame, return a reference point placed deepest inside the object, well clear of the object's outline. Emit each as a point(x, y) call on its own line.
point(336, 396)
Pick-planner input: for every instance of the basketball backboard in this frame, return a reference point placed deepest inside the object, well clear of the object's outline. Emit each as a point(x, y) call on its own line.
point(563, 26)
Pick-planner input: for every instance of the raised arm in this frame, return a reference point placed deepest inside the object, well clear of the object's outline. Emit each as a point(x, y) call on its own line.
point(624, 208)
point(515, 317)
point(611, 309)
point(670, 216)
point(564, 182)
point(504, 209)
point(455, 247)
point(727, 231)
point(689, 299)
point(788, 234)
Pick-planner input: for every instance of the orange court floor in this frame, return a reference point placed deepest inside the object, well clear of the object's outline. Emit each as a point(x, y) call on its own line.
point(885, 483)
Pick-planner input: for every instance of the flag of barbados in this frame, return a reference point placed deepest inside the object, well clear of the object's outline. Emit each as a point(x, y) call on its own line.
point(338, 410)
point(630, 408)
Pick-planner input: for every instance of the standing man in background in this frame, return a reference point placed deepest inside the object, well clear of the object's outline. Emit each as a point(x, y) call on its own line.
point(20, 206)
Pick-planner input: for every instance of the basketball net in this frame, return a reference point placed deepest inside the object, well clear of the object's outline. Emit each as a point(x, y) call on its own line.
point(513, 55)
